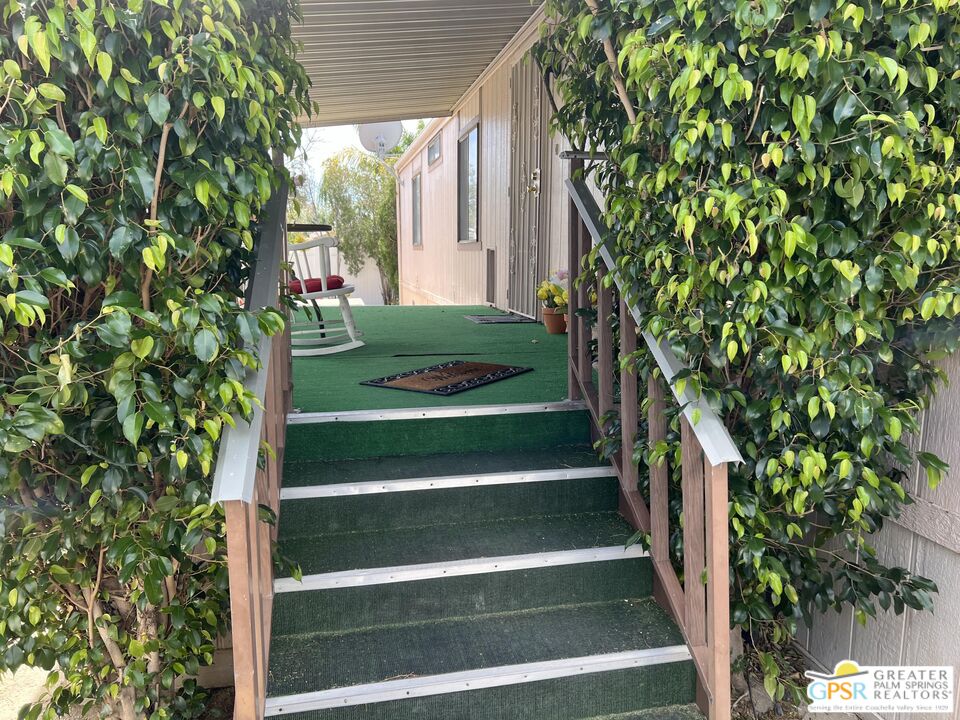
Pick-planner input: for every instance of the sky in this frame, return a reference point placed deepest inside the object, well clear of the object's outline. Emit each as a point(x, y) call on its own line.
point(322, 143)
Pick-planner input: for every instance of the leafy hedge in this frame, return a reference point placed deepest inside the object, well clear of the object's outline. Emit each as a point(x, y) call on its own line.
point(135, 158)
point(785, 207)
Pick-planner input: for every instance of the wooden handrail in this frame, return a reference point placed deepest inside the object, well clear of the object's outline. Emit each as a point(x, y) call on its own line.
point(701, 602)
point(245, 485)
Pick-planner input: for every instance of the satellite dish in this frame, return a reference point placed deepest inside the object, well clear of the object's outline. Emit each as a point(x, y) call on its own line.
point(379, 138)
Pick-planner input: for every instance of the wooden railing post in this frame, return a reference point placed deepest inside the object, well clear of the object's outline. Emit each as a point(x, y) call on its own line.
point(629, 400)
point(694, 562)
point(604, 346)
point(573, 330)
point(718, 588)
point(246, 668)
point(584, 363)
point(633, 505)
point(659, 500)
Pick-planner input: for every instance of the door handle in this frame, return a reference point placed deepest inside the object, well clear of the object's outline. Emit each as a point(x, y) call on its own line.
point(534, 186)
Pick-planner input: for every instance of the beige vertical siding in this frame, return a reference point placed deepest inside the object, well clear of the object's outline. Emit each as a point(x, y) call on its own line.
point(926, 541)
point(443, 271)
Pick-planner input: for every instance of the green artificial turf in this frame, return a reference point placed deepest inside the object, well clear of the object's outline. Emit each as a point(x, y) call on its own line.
point(352, 608)
point(617, 695)
point(401, 338)
point(393, 510)
point(303, 663)
point(430, 436)
point(402, 467)
point(439, 543)
point(580, 697)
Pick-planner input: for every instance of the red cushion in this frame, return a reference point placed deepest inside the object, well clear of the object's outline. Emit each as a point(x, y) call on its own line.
point(334, 282)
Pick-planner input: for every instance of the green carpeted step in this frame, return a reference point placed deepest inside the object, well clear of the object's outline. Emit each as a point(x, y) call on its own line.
point(305, 663)
point(426, 436)
point(444, 506)
point(615, 695)
point(350, 608)
point(302, 474)
point(439, 543)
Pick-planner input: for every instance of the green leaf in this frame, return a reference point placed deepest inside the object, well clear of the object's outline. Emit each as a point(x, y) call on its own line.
point(862, 412)
point(60, 143)
point(890, 67)
point(78, 192)
point(159, 108)
point(843, 321)
point(241, 212)
point(142, 347)
point(51, 92)
point(104, 66)
point(205, 345)
point(133, 427)
point(845, 107)
point(201, 190)
point(143, 181)
point(41, 51)
point(122, 89)
point(819, 9)
point(88, 43)
point(100, 129)
point(219, 106)
point(33, 298)
point(55, 168)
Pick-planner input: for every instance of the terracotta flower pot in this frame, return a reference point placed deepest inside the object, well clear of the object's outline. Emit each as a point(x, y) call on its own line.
point(555, 321)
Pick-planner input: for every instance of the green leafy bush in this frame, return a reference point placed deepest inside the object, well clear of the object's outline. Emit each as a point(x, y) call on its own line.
point(135, 146)
point(785, 209)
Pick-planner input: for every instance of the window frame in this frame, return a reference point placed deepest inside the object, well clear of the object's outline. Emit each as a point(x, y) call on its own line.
point(463, 230)
point(416, 210)
point(437, 140)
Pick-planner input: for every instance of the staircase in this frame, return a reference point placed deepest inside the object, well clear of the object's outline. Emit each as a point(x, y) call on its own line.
point(465, 568)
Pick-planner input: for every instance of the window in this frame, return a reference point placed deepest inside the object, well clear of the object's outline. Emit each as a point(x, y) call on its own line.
point(468, 185)
point(433, 149)
point(415, 196)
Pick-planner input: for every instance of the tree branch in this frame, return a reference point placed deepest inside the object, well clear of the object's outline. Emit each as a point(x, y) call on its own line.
point(615, 68)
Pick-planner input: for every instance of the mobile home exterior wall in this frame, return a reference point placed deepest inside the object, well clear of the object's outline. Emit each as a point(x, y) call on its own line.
point(441, 270)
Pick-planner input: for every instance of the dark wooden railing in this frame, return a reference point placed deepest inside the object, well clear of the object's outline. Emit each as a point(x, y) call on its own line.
point(247, 481)
point(701, 602)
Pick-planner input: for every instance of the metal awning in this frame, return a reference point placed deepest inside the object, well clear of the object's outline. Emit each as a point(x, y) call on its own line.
point(375, 60)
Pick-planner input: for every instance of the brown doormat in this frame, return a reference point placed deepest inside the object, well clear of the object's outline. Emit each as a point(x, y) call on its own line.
point(448, 378)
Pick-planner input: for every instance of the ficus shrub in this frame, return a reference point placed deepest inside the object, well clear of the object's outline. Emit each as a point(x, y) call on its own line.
point(135, 159)
point(785, 212)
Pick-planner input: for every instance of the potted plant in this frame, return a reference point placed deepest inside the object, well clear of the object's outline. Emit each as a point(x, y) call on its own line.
point(554, 296)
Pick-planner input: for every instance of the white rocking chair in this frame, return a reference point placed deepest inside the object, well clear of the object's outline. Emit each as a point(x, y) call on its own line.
point(319, 336)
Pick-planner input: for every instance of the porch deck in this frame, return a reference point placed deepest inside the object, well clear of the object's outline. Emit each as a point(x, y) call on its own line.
point(401, 338)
